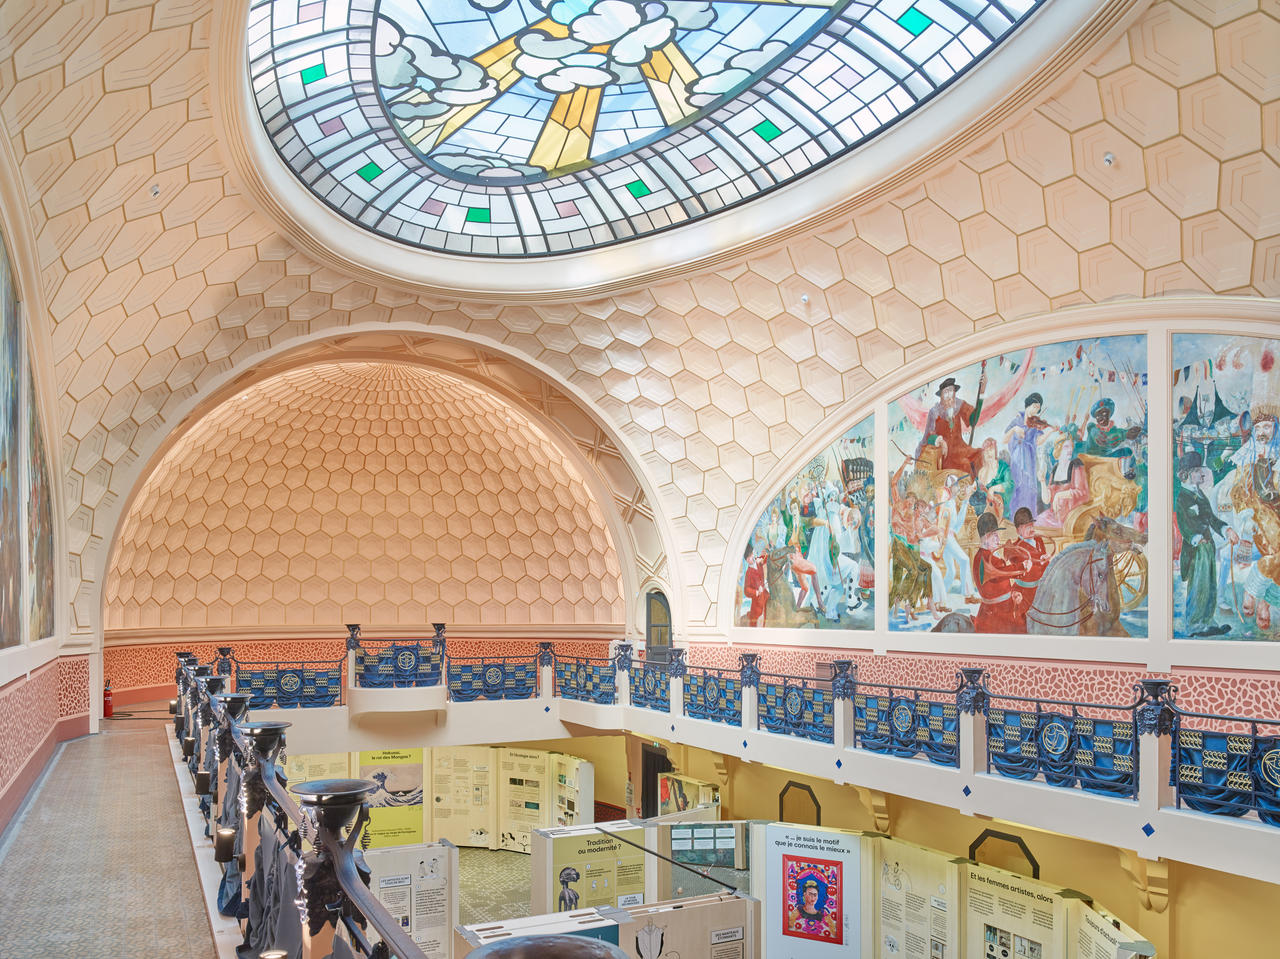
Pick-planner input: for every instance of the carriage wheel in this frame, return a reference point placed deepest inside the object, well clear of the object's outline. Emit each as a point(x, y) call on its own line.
point(1131, 578)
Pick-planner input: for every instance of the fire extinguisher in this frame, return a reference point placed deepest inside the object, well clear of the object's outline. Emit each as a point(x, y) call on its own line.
point(107, 708)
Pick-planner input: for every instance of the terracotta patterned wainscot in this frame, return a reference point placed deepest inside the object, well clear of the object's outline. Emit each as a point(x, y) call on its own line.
point(144, 671)
point(1231, 692)
point(28, 720)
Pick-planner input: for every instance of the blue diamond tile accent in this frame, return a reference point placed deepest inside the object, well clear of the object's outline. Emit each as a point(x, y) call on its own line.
point(839, 764)
point(1148, 829)
point(967, 791)
point(673, 728)
point(744, 744)
point(546, 709)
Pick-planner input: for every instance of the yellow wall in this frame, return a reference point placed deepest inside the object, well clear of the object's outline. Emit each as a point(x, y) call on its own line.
point(1211, 915)
point(608, 754)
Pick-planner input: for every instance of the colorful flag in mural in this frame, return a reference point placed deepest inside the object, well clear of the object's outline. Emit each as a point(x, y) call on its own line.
point(810, 559)
point(1226, 498)
point(1018, 494)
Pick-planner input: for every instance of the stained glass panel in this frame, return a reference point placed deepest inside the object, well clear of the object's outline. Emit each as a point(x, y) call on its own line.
point(529, 127)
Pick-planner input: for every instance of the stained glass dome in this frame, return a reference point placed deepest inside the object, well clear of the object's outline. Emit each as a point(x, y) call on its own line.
point(536, 127)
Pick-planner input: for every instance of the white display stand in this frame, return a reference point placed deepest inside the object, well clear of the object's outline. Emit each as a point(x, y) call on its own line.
point(917, 902)
point(609, 871)
point(1096, 934)
point(678, 793)
point(1008, 916)
point(464, 795)
point(418, 885)
point(596, 923)
point(834, 921)
point(707, 927)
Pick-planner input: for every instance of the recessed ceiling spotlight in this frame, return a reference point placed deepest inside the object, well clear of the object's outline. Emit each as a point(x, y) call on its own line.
point(1108, 159)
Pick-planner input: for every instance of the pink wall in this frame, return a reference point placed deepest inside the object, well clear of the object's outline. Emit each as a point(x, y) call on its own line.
point(144, 672)
point(37, 712)
point(1223, 691)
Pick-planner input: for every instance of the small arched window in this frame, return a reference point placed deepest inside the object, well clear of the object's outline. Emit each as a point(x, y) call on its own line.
point(657, 627)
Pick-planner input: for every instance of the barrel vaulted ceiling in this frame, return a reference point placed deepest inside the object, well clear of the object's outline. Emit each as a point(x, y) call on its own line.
point(1152, 171)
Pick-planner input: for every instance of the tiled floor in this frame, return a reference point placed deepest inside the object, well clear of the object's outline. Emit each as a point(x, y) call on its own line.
point(493, 885)
point(98, 863)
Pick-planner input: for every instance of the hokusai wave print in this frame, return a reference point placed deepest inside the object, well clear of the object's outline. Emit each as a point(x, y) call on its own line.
point(810, 559)
point(10, 467)
point(39, 525)
point(1226, 497)
point(1018, 494)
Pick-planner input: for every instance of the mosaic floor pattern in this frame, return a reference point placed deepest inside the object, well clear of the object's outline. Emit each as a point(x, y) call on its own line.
point(493, 885)
point(106, 804)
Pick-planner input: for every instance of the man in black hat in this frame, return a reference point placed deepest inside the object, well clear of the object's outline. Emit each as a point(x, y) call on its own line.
point(949, 422)
point(1197, 522)
point(994, 571)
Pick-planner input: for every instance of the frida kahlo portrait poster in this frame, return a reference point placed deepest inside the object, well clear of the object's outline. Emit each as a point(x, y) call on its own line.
point(812, 899)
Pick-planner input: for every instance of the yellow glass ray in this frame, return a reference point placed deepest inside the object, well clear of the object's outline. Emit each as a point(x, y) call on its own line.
point(669, 74)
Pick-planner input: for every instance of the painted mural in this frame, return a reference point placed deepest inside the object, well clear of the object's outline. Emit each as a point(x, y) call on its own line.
point(811, 556)
point(1018, 494)
point(39, 524)
point(1226, 497)
point(10, 476)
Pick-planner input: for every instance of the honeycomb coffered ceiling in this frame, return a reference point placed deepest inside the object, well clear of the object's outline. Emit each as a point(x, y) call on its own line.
point(1153, 171)
point(363, 492)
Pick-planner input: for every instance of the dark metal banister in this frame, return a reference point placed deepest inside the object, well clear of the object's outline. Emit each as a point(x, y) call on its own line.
point(341, 852)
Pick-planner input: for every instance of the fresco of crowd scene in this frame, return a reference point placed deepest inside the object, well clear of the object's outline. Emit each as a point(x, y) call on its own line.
point(810, 559)
point(1019, 499)
point(1226, 499)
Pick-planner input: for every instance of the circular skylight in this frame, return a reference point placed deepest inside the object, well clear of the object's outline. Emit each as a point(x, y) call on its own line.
point(534, 127)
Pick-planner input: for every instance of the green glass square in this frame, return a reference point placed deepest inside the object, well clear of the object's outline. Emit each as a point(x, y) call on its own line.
point(914, 22)
point(477, 214)
point(637, 189)
point(369, 172)
point(312, 74)
point(767, 130)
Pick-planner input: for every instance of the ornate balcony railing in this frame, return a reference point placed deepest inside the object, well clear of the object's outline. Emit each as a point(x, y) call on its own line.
point(496, 677)
point(1226, 765)
point(404, 664)
point(651, 685)
point(290, 685)
point(714, 694)
point(586, 680)
point(1090, 745)
point(1222, 765)
point(256, 812)
point(907, 721)
point(797, 706)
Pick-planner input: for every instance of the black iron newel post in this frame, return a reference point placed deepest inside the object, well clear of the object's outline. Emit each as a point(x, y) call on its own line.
point(353, 636)
point(675, 664)
point(845, 680)
point(972, 695)
point(546, 653)
point(223, 663)
point(622, 657)
point(1154, 714)
point(749, 669)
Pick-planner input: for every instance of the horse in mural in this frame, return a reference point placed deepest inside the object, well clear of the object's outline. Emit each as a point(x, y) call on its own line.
point(1079, 594)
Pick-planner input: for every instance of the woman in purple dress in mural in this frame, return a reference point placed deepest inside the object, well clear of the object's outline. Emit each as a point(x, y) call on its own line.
point(1023, 437)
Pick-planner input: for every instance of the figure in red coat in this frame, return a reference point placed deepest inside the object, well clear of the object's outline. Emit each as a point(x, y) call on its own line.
point(994, 573)
point(754, 585)
point(1028, 547)
point(949, 421)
